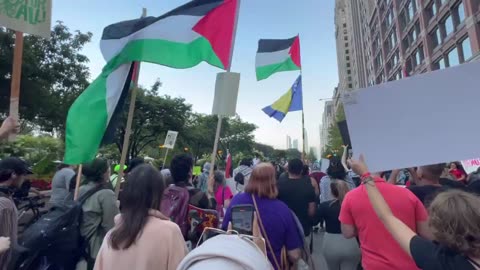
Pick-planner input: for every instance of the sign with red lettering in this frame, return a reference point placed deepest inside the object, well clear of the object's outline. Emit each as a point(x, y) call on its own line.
point(471, 165)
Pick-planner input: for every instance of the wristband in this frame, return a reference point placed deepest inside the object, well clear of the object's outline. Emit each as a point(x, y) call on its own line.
point(365, 176)
point(368, 180)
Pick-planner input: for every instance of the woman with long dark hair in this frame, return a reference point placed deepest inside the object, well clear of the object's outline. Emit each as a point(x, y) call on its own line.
point(143, 238)
point(339, 252)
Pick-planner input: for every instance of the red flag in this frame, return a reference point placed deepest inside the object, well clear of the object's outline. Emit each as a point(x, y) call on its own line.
point(228, 166)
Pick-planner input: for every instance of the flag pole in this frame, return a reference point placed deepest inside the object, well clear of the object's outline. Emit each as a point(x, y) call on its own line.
point(165, 159)
point(128, 128)
point(303, 111)
point(77, 184)
point(220, 117)
point(16, 78)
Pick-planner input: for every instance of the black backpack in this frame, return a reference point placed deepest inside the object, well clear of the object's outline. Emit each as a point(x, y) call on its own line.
point(55, 238)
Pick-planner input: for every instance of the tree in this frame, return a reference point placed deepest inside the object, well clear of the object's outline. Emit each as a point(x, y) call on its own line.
point(292, 153)
point(154, 115)
point(54, 73)
point(311, 156)
point(335, 141)
point(266, 150)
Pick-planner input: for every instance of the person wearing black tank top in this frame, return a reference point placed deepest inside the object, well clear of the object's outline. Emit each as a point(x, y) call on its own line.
point(454, 219)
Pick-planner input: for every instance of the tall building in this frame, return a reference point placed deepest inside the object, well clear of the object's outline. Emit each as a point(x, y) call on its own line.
point(327, 120)
point(295, 144)
point(314, 151)
point(351, 35)
point(305, 142)
point(289, 142)
point(416, 36)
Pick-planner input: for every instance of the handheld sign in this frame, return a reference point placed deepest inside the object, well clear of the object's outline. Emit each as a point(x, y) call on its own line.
point(417, 121)
point(170, 139)
point(471, 165)
point(31, 17)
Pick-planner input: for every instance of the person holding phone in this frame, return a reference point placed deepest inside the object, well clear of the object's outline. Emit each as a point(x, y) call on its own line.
point(273, 215)
point(454, 219)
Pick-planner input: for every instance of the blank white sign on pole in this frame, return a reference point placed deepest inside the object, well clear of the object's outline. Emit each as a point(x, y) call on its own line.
point(170, 139)
point(226, 94)
point(426, 119)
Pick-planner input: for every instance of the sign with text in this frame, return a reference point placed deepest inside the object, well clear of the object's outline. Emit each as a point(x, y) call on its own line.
point(471, 165)
point(170, 139)
point(27, 16)
point(413, 122)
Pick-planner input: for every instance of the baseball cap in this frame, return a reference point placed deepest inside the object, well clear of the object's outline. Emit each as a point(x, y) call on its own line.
point(16, 165)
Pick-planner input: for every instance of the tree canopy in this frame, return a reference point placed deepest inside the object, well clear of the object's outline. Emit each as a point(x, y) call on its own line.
point(54, 73)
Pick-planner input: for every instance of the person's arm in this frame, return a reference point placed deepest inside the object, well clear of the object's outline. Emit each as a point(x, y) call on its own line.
point(462, 178)
point(9, 126)
point(344, 157)
point(400, 232)
point(108, 203)
point(315, 186)
point(4, 244)
point(393, 177)
point(347, 220)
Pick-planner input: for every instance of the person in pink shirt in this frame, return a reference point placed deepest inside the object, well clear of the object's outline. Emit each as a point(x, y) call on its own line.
point(143, 238)
point(379, 250)
point(223, 194)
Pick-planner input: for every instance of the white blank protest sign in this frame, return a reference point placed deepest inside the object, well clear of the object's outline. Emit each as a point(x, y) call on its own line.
point(226, 94)
point(426, 119)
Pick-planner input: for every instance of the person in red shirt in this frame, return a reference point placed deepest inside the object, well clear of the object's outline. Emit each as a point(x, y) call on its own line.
point(379, 249)
point(458, 173)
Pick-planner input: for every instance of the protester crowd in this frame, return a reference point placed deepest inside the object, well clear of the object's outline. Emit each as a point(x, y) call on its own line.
point(171, 220)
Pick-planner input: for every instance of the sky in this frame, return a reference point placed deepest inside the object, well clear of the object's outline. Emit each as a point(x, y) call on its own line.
point(276, 19)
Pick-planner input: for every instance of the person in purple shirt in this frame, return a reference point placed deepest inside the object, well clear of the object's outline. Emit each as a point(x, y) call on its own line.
point(278, 220)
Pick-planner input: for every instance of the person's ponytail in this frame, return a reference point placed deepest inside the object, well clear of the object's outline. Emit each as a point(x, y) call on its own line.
point(339, 189)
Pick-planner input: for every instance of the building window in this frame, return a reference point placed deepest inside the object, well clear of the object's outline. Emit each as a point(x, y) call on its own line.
point(349, 71)
point(347, 51)
point(348, 65)
point(436, 36)
point(350, 86)
point(449, 26)
point(345, 38)
point(453, 59)
point(432, 10)
point(461, 13)
point(348, 58)
point(411, 10)
point(344, 25)
point(440, 64)
point(467, 49)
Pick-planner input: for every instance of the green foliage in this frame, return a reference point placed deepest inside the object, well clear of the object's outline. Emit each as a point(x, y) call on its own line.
point(38, 151)
point(54, 73)
point(335, 142)
point(311, 156)
point(292, 153)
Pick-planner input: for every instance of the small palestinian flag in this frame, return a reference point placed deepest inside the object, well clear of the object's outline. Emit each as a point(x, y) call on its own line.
point(201, 30)
point(276, 55)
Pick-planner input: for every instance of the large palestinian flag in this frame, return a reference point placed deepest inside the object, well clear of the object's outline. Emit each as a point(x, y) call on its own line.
point(276, 55)
point(201, 30)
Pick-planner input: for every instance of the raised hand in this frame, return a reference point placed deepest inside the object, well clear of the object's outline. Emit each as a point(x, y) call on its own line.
point(358, 166)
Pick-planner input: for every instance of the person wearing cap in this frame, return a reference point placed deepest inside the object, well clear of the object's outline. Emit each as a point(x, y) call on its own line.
point(114, 177)
point(12, 174)
point(61, 184)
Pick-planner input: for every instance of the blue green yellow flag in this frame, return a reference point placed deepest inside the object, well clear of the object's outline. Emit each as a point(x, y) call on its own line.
point(289, 102)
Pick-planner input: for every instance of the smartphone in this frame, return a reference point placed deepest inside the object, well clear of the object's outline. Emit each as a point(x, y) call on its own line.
point(242, 218)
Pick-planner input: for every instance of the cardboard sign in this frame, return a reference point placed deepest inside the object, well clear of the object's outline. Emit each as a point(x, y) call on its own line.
point(414, 121)
point(170, 139)
point(27, 16)
point(197, 170)
point(471, 165)
point(226, 94)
